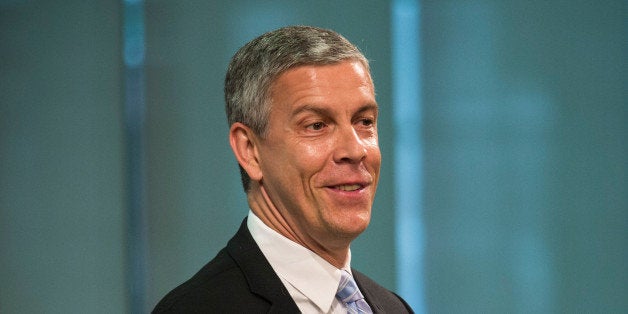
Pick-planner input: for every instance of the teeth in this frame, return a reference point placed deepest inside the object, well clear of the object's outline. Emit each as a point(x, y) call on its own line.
point(352, 187)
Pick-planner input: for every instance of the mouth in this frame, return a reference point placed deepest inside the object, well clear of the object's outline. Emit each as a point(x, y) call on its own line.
point(348, 187)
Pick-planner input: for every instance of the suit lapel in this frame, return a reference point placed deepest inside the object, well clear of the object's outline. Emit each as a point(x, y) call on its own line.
point(380, 299)
point(259, 274)
point(371, 297)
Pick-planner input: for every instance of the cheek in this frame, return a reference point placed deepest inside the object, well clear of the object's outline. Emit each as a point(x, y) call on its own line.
point(372, 141)
point(311, 154)
point(301, 162)
point(373, 150)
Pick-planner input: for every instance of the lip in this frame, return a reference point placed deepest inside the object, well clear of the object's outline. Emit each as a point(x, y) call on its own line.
point(350, 198)
point(349, 187)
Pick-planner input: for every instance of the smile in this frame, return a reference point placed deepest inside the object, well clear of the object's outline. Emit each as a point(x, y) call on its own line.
point(348, 187)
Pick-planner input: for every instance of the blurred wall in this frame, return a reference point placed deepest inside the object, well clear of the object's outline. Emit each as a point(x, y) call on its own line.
point(61, 158)
point(524, 126)
point(526, 132)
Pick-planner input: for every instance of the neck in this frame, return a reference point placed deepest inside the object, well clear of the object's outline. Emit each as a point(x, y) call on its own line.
point(332, 248)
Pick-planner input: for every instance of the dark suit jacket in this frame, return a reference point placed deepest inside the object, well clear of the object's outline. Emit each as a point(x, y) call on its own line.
point(240, 280)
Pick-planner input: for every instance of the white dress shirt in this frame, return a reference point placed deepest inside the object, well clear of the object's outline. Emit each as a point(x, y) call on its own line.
point(311, 281)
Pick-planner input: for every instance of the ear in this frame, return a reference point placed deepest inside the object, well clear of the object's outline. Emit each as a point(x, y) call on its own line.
point(244, 144)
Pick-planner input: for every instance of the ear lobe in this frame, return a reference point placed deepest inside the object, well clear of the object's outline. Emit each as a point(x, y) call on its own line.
point(244, 146)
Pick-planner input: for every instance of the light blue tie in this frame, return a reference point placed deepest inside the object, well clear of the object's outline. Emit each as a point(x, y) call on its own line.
point(349, 294)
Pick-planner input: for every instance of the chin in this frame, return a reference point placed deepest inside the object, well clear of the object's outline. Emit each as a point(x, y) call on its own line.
point(354, 224)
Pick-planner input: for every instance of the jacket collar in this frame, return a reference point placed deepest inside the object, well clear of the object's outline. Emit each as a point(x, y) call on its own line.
point(259, 274)
point(370, 296)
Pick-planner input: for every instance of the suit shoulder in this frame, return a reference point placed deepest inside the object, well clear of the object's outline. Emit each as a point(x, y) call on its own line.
point(220, 286)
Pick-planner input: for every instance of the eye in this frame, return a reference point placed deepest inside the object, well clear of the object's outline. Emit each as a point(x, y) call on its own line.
point(367, 122)
point(316, 126)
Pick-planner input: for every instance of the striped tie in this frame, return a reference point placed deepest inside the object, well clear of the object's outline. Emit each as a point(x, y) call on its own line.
point(349, 294)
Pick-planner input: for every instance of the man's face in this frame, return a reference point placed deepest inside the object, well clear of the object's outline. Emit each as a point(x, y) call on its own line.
point(320, 159)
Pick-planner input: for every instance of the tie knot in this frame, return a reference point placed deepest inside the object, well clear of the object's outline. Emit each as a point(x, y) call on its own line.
point(348, 290)
point(349, 294)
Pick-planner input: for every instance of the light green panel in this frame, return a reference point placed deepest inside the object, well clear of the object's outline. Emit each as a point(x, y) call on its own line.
point(526, 131)
point(61, 172)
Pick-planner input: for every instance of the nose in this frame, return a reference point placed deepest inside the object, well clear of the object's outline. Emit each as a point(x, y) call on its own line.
point(350, 148)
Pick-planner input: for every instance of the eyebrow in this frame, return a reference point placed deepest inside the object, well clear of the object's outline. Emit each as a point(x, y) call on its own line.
point(325, 112)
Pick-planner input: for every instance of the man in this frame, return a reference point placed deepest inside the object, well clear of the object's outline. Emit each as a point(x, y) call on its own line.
point(301, 105)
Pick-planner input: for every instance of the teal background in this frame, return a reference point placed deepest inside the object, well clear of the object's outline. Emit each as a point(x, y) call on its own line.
point(525, 133)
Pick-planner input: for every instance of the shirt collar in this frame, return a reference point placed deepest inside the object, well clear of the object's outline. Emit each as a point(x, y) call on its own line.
point(319, 282)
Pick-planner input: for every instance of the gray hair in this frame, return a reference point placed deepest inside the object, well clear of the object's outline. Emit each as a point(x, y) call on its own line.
point(255, 67)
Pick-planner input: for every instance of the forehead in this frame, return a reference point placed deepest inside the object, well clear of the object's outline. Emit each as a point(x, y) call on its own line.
point(345, 82)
